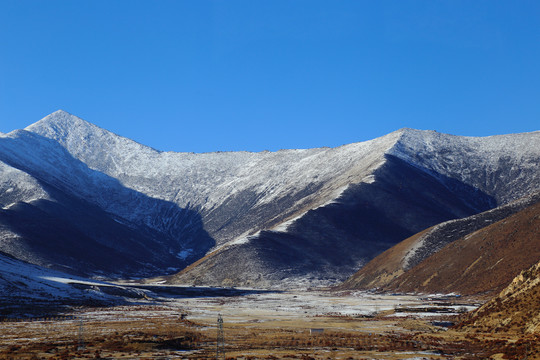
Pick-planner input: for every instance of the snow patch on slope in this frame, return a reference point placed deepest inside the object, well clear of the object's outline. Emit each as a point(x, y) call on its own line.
point(20, 279)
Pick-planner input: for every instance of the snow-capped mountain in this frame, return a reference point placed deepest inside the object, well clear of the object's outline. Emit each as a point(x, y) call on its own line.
point(251, 218)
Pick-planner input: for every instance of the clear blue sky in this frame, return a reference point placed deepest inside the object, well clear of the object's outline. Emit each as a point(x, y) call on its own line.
point(253, 75)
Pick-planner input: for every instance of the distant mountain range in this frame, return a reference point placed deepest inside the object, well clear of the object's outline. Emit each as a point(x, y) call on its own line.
point(77, 198)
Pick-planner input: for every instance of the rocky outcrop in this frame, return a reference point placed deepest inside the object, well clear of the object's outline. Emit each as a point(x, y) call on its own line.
point(515, 310)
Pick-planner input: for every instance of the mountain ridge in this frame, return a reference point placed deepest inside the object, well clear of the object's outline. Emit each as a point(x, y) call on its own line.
point(259, 202)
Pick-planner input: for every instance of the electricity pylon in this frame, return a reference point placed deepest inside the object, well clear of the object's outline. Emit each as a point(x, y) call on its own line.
point(81, 335)
point(220, 350)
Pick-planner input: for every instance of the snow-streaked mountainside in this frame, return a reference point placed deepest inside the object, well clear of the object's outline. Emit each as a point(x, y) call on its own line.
point(263, 219)
point(212, 183)
point(29, 290)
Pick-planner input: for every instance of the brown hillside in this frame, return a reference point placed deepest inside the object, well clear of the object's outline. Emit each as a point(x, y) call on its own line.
point(515, 310)
point(385, 268)
point(389, 269)
point(482, 262)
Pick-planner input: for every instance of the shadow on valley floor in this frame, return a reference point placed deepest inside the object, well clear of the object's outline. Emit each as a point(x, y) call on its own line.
point(21, 307)
point(198, 291)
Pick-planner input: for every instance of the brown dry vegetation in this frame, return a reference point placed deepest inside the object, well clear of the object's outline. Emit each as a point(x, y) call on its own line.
point(149, 332)
point(383, 269)
point(516, 310)
point(115, 334)
point(483, 262)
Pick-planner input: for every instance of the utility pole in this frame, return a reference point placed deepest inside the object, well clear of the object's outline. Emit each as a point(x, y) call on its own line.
point(220, 349)
point(81, 335)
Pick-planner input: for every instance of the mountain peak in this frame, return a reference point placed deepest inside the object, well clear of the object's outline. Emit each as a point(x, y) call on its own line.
point(71, 131)
point(84, 140)
point(60, 112)
point(59, 122)
point(66, 128)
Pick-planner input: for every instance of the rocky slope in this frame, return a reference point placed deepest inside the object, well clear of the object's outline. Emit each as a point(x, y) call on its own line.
point(260, 219)
point(473, 255)
point(515, 310)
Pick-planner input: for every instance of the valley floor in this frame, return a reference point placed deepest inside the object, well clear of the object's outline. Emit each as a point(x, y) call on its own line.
point(263, 325)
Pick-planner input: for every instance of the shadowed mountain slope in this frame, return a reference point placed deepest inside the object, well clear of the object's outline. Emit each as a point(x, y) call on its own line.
point(29, 290)
point(56, 212)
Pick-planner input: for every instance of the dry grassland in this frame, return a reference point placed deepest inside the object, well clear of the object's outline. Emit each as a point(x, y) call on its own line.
point(162, 332)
